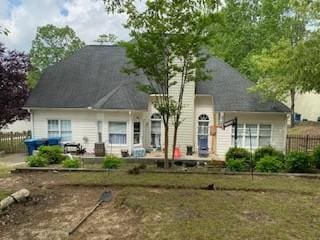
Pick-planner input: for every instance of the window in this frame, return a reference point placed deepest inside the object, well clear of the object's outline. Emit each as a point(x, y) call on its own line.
point(156, 130)
point(118, 133)
point(99, 130)
point(260, 135)
point(60, 128)
point(264, 135)
point(203, 131)
point(136, 133)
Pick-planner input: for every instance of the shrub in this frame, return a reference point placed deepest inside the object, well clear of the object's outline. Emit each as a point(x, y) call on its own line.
point(37, 161)
point(267, 151)
point(238, 153)
point(52, 153)
point(112, 162)
point(236, 165)
point(299, 162)
point(71, 163)
point(269, 164)
point(316, 157)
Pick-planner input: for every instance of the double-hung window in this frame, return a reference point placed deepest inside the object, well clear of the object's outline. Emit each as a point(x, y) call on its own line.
point(60, 128)
point(136, 133)
point(264, 135)
point(260, 135)
point(118, 133)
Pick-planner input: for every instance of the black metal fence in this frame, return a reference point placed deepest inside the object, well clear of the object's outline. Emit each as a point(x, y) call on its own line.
point(302, 143)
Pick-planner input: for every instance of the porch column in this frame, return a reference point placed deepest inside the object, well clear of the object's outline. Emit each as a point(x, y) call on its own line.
point(130, 135)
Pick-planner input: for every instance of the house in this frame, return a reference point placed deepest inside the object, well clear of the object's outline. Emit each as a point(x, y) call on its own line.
point(307, 106)
point(87, 98)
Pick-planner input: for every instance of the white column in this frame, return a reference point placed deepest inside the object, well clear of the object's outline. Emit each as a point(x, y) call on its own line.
point(130, 135)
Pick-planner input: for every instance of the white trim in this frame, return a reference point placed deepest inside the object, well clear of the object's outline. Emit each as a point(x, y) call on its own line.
point(243, 112)
point(86, 109)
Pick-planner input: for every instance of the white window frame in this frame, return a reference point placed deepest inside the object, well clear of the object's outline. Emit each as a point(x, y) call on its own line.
point(115, 144)
point(60, 128)
point(140, 133)
point(243, 137)
point(155, 117)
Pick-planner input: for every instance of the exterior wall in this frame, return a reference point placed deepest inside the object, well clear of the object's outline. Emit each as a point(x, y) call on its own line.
point(278, 129)
point(84, 124)
point(203, 105)
point(18, 126)
point(185, 135)
point(308, 105)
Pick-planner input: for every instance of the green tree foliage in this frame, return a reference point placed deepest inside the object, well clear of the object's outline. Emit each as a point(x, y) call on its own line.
point(4, 31)
point(106, 38)
point(51, 44)
point(167, 39)
point(246, 27)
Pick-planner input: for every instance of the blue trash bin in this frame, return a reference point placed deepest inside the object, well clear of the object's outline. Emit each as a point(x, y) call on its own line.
point(31, 145)
point(41, 142)
point(54, 141)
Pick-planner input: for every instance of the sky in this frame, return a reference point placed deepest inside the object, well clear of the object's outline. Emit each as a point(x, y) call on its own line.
point(87, 18)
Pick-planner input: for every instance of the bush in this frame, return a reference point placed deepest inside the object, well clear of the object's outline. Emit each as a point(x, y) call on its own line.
point(37, 161)
point(268, 151)
point(112, 162)
point(71, 163)
point(52, 153)
point(238, 153)
point(299, 162)
point(236, 165)
point(269, 164)
point(316, 157)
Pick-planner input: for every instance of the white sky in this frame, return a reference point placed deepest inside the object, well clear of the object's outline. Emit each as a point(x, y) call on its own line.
point(87, 17)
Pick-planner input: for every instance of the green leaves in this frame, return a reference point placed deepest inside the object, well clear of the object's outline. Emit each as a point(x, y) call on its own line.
point(51, 45)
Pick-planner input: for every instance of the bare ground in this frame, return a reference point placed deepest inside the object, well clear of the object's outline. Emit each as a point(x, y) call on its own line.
point(52, 211)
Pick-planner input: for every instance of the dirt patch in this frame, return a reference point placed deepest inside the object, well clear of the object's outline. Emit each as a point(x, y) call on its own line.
point(51, 213)
point(305, 128)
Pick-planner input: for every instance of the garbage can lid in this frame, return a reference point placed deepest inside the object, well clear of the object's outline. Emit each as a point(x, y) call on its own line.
point(29, 140)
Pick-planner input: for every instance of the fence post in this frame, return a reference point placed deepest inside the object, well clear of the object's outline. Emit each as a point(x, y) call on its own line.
point(11, 142)
point(307, 143)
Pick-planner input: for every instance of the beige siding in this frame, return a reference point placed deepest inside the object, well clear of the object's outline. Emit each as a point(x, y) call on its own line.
point(277, 121)
point(186, 130)
point(84, 124)
point(308, 105)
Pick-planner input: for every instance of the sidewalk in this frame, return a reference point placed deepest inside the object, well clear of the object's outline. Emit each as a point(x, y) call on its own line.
point(14, 159)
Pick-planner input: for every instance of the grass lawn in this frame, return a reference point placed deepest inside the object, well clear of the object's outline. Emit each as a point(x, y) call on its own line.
point(265, 208)
point(196, 214)
point(176, 206)
point(176, 180)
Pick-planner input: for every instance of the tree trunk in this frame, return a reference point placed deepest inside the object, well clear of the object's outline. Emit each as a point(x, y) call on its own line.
point(292, 96)
point(174, 143)
point(166, 144)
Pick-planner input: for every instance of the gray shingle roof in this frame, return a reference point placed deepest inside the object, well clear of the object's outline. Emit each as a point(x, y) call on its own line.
point(93, 77)
point(229, 89)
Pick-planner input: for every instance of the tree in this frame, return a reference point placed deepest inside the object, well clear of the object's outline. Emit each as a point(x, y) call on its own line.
point(247, 27)
point(285, 69)
point(106, 38)
point(4, 31)
point(51, 44)
point(165, 46)
point(13, 87)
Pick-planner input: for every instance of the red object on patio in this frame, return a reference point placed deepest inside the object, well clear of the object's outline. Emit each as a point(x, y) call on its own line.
point(177, 153)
